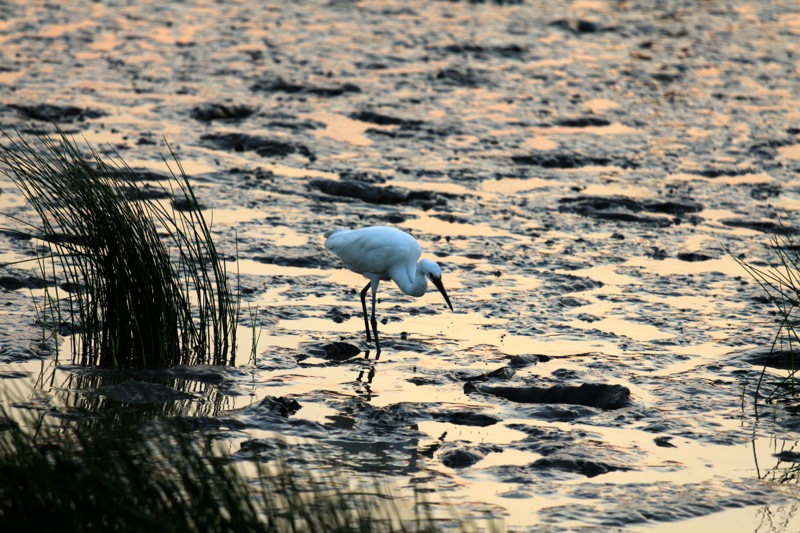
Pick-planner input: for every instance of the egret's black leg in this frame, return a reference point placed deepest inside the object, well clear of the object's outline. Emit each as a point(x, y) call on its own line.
point(375, 321)
point(364, 307)
point(375, 333)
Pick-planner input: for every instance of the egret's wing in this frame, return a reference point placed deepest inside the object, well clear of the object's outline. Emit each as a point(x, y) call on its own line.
point(374, 250)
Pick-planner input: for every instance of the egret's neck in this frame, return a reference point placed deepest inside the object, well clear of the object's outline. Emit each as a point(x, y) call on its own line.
point(413, 287)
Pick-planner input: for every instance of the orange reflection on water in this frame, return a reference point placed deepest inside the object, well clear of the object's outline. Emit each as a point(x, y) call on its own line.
point(342, 128)
point(435, 226)
point(515, 185)
point(598, 105)
point(790, 152)
point(618, 189)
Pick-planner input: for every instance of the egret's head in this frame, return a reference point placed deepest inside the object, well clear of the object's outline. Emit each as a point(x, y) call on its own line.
point(432, 271)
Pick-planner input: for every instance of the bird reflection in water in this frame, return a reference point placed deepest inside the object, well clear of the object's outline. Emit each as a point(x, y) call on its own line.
point(364, 389)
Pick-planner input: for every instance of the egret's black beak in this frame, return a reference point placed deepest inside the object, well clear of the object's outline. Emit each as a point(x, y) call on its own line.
point(438, 282)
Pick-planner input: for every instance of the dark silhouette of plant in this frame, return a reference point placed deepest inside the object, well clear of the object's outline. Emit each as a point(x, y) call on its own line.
point(141, 282)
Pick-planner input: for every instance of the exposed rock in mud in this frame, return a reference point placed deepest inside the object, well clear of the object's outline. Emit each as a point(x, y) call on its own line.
point(788, 456)
point(774, 228)
point(13, 283)
point(55, 113)
point(719, 172)
point(278, 84)
point(571, 160)
point(589, 394)
point(664, 442)
point(671, 207)
point(625, 209)
point(284, 407)
point(567, 463)
point(374, 117)
point(466, 418)
point(380, 420)
point(783, 359)
point(242, 142)
point(582, 122)
point(16, 235)
point(456, 455)
point(209, 112)
point(360, 191)
point(375, 195)
point(340, 351)
point(522, 361)
point(693, 257)
point(337, 315)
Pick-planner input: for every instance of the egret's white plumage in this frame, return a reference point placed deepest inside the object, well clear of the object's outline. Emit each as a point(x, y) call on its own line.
point(384, 253)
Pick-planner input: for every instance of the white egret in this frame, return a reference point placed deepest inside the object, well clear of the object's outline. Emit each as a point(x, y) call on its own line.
point(384, 253)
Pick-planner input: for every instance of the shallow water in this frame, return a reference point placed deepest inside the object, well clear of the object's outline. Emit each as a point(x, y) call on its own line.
point(576, 169)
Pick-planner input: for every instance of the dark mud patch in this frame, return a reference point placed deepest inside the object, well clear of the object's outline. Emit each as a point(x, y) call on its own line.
point(227, 112)
point(465, 418)
point(334, 351)
point(281, 85)
point(263, 146)
point(281, 406)
point(458, 455)
point(373, 194)
point(13, 283)
point(381, 119)
point(623, 209)
point(582, 122)
point(588, 394)
point(57, 114)
point(769, 227)
point(780, 359)
point(693, 257)
point(567, 160)
point(585, 467)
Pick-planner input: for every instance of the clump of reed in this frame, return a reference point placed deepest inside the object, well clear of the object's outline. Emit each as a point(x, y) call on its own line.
point(71, 477)
point(780, 280)
point(141, 282)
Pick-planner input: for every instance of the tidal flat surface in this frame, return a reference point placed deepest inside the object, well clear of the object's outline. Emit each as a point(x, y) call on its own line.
point(578, 170)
